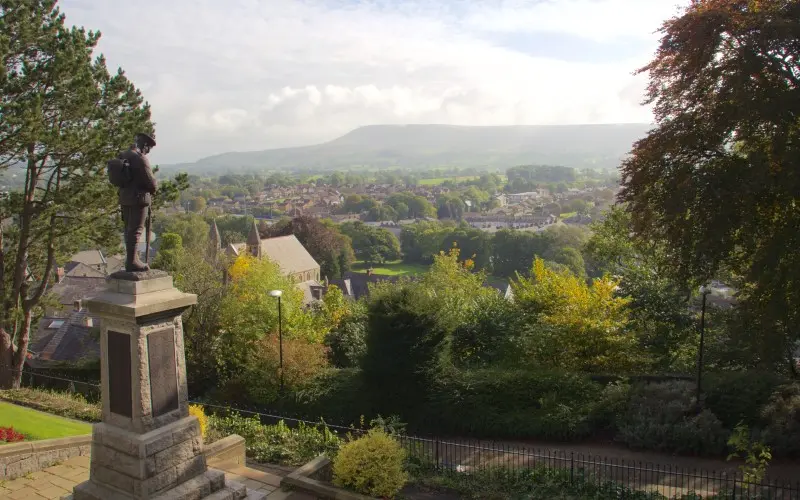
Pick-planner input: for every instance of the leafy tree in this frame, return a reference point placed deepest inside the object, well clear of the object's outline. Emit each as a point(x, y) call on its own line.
point(472, 243)
point(418, 206)
point(191, 227)
point(63, 116)
point(170, 245)
point(201, 323)
point(331, 249)
point(346, 342)
point(715, 181)
point(381, 213)
point(405, 350)
point(572, 259)
point(660, 315)
point(420, 242)
point(372, 244)
point(576, 326)
point(451, 206)
point(197, 204)
point(248, 313)
point(514, 251)
point(402, 210)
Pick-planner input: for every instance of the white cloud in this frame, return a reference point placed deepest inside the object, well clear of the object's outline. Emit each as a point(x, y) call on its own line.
point(253, 74)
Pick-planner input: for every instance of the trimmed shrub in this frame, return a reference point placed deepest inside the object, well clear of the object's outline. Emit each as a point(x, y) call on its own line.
point(740, 396)
point(782, 414)
point(662, 417)
point(371, 465)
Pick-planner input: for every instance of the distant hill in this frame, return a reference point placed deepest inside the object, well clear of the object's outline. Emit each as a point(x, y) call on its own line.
point(423, 146)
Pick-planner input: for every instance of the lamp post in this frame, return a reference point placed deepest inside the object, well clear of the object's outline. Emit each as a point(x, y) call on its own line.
point(277, 294)
point(704, 291)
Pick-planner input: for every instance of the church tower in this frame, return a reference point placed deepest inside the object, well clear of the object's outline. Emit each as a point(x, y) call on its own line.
point(214, 240)
point(254, 241)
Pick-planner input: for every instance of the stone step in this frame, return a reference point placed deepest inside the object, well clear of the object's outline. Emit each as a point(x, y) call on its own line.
point(255, 495)
point(223, 494)
point(238, 489)
point(290, 495)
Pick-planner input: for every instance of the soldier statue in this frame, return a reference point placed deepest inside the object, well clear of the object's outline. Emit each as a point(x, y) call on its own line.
point(135, 197)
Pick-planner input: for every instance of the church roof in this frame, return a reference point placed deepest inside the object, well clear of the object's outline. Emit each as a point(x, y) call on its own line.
point(289, 254)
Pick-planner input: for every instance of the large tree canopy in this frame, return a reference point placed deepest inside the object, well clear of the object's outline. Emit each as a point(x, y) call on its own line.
point(62, 116)
point(717, 180)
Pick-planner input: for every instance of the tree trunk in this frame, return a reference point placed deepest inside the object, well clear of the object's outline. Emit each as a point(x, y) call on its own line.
point(6, 360)
point(21, 354)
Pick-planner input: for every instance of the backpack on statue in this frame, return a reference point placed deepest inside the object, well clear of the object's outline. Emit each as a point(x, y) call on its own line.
point(119, 172)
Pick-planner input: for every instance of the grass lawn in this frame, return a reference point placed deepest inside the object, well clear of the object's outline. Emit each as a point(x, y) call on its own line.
point(395, 268)
point(567, 215)
point(439, 180)
point(38, 425)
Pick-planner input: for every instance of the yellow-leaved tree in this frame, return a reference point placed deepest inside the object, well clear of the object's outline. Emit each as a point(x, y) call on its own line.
point(574, 324)
point(248, 336)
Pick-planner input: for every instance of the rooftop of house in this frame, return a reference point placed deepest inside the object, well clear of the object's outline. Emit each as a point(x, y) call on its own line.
point(74, 288)
point(71, 339)
point(89, 257)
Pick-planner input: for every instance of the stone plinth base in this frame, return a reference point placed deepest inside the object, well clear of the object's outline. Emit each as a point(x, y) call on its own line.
point(144, 465)
point(148, 446)
point(210, 485)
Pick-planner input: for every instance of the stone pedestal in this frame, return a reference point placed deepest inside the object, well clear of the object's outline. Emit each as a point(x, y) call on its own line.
point(147, 446)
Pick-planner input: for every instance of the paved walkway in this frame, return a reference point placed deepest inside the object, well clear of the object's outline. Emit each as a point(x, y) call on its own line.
point(58, 480)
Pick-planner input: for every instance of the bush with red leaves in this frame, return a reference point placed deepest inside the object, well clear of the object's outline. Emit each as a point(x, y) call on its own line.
point(9, 435)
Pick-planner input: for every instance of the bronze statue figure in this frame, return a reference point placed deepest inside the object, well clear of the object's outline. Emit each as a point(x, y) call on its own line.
point(136, 189)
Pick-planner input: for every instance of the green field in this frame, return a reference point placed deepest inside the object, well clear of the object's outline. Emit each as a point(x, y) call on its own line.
point(39, 425)
point(395, 268)
point(439, 180)
point(567, 215)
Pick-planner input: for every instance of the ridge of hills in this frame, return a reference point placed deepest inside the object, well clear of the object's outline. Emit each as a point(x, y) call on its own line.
point(429, 146)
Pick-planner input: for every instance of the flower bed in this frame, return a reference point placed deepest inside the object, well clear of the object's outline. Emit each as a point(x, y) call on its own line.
point(9, 435)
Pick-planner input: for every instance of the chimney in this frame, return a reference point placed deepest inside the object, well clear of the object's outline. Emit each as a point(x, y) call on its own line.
point(88, 321)
point(76, 306)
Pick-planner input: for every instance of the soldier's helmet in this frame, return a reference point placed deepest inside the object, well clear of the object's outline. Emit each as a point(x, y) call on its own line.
point(145, 140)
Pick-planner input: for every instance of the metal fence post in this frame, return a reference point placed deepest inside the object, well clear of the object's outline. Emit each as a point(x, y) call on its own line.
point(437, 453)
point(571, 466)
point(734, 488)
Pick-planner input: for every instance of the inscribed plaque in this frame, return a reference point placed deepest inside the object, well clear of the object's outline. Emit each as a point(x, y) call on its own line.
point(163, 371)
point(119, 373)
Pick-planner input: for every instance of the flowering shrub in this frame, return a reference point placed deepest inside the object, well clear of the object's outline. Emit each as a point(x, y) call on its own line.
point(9, 435)
point(197, 411)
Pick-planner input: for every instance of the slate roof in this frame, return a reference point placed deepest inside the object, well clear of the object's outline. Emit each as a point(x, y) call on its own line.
point(286, 251)
point(79, 269)
point(289, 254)
point(89, 257)
point(74, 288)
point(71, 342)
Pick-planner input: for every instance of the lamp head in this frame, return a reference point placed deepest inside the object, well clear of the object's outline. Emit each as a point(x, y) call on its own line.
point(275, 293)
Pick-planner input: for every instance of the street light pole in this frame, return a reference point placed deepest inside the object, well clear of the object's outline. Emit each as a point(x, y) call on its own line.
point(704, 291)
point(278, 293)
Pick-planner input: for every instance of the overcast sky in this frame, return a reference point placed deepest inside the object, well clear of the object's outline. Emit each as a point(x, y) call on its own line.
point(234, 75)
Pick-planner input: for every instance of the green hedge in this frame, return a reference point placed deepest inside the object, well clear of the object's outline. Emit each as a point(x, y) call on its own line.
point(514, 404)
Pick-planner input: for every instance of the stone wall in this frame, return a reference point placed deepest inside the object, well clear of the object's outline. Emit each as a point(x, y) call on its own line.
point(18, 459)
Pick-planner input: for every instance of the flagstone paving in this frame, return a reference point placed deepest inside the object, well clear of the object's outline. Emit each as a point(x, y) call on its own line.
point(58, 480)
